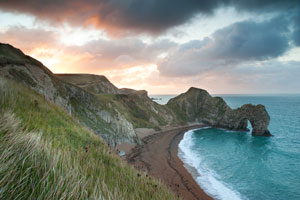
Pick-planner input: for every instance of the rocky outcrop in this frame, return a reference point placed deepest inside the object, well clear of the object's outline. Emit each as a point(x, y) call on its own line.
point(198, 106)
point(128, 91)
point(237, 119)
point(133, 105)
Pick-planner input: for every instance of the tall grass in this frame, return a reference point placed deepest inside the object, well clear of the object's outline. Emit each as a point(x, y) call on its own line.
point(32, 169)
point(47, 154)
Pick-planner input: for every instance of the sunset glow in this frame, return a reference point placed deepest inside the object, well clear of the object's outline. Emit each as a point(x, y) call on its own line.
point(224, 49)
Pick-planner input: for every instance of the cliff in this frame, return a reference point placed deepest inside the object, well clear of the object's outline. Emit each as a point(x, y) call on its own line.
point(47, 154)
point(198, 106)
point(108, 111)
point(93, 83)
point(115, 113)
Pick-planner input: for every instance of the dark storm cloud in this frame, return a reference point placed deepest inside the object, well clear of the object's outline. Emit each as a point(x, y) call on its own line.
point(265, 5)
point(135, 15)
point(238, 43)
point(250, 40)
point(296, 33)
point(296, 36)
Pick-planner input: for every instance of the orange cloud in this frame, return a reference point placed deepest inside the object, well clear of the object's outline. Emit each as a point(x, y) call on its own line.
point(132, 63)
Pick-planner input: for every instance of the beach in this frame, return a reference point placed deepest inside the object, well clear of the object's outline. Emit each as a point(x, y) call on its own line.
point(158, 156)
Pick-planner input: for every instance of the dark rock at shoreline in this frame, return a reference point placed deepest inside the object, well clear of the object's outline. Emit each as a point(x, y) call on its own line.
point(198, 106)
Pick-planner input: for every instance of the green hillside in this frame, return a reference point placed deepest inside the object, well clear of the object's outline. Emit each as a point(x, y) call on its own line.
point(97, 104)
point(47, 154)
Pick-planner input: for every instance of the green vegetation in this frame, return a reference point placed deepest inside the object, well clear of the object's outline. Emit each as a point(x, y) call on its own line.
point(22, 76)
point(80, 111)
point(133, 108)
point(113, 116)
point(11, 55)
point(47, 154)
point(181, 116)
point(10, 52)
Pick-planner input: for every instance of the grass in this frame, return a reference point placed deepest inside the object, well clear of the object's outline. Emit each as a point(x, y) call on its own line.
point(47, 154)
point(133, 108)
point(181, 115)
point(8, 51)
point(11, 55)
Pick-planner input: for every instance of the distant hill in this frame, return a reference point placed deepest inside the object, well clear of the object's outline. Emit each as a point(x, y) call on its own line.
point(94, 83)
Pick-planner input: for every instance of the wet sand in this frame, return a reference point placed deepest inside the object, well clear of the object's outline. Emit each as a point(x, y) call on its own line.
point(158, 155)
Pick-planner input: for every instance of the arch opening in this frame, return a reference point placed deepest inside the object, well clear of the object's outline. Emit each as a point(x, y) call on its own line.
point(245, 125)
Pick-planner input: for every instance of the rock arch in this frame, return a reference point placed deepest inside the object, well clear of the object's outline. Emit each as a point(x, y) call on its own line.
point(243, 124)
point(258, 117)
point(198, 106)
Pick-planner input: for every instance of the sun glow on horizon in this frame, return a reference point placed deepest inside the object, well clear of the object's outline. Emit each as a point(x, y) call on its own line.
point(133, 77)
point(139, 54)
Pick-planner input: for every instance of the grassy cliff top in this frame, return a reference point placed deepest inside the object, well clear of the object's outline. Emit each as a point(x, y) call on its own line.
point(47, 154)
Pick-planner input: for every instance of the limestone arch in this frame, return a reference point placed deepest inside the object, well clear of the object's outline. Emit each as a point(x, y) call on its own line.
point(258, 118)
point(243, 124)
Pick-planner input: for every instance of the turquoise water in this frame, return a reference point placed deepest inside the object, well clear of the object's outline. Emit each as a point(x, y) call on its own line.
point(236, 165)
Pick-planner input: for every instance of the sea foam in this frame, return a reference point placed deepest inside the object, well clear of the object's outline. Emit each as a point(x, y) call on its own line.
point(206, 178)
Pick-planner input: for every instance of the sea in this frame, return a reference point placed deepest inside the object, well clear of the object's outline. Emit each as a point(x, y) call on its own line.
point(235, 165)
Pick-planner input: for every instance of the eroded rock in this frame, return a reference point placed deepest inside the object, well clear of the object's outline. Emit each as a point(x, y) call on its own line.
point(258, 116)
point(198, 106)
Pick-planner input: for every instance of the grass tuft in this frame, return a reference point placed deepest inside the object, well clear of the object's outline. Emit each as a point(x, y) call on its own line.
point(47, 154)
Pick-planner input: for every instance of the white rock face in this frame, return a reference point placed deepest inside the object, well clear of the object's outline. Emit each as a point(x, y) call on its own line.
point(120, 125)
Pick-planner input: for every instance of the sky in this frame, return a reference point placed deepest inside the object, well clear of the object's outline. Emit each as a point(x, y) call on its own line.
point(164, 46)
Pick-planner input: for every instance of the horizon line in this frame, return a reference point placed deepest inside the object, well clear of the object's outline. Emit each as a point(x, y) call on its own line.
point(266, 94)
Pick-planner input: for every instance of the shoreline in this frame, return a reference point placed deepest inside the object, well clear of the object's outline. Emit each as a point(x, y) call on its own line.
point(158, 156)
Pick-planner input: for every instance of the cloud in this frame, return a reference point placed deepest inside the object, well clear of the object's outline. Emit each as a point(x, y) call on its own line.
point(296, 33)
point(135, 16)
point(265, 5)
point(264, 77)
point(28, 39)
point(122, 53)
point(245, 41)
point(131, 62)
point(95, 56)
